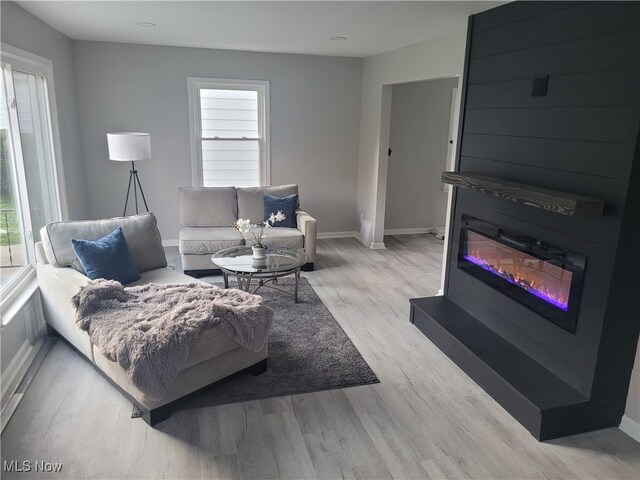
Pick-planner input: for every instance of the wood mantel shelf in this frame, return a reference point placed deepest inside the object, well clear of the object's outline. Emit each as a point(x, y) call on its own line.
point(530, 195)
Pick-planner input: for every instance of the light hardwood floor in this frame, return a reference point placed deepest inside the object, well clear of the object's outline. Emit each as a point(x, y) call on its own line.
point(426, 419)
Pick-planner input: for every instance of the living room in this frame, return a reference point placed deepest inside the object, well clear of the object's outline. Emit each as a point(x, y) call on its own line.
point(359, 382)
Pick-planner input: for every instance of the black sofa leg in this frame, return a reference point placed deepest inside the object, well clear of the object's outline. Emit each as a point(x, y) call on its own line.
point(203, 273)
point(308, 267)
point(156, 415)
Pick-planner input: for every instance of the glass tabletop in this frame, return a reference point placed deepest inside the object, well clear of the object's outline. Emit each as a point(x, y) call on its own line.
point(278, 259)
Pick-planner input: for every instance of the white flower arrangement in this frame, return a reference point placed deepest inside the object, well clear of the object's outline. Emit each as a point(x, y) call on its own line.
point(259, 234)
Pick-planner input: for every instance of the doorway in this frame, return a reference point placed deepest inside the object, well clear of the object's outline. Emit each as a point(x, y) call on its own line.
point(422, 137)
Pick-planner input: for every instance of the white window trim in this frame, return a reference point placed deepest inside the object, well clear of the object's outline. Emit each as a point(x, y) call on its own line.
point(29, 62)
point(20, 189)
point(194, 84)
point(36, 64)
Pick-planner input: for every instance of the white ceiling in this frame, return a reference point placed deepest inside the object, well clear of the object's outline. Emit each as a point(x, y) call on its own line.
point(264, 26)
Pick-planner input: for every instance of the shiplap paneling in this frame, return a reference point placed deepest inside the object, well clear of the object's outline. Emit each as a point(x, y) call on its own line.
point(585, 89)
point(591, 19)
point(499, 17)
point(582, 138)
point(612, 52)
point(588, 124)
point(605, 160)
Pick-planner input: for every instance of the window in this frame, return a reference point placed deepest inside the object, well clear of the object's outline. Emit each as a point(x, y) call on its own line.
point(229, 132)
point(29, 197)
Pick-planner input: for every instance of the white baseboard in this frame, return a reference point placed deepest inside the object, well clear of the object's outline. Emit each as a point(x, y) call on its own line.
point(630, 427)
point(170, 243)
point(16, 369)
point(410, 231)
point(350, 234)
point(377, 246)
point(24, 365)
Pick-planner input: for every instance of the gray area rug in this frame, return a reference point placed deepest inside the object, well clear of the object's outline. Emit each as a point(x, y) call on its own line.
point(308, 352)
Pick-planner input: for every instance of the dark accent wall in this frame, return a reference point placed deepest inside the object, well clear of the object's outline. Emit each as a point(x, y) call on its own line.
point(580, 138)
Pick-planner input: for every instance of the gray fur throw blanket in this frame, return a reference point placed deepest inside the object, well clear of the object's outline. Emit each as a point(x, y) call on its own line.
point(150, 330)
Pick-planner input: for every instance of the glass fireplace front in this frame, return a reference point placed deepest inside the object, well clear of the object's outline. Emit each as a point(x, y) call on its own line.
point(541, 277)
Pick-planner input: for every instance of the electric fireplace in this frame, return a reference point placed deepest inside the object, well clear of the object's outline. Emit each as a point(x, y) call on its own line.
point(543, 278)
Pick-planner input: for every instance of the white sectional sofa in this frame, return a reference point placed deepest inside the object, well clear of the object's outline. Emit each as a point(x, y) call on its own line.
point(214, 357)
point(207, 213)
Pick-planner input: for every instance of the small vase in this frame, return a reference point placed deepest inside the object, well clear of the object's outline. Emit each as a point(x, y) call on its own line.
point(259, 253)
point(259, 263)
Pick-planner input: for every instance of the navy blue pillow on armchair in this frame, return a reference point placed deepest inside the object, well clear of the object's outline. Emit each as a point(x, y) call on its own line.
point(107, 258)
point(286, 205)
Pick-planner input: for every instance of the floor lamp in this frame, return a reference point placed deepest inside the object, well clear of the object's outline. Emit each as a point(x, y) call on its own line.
point(130, 147)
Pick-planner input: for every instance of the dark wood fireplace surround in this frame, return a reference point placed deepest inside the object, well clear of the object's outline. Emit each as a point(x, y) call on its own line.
point(550, 105)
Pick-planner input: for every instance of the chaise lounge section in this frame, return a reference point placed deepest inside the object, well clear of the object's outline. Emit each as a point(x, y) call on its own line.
point(214, 357)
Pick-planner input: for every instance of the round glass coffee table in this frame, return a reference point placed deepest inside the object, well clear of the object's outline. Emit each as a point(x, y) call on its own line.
point(279, 262)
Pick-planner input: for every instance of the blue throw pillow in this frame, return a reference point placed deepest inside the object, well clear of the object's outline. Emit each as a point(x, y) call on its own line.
point(286, 205)
point(107, 258)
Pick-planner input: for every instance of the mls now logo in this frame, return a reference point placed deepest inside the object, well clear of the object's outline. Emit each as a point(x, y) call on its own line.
point(29, 466)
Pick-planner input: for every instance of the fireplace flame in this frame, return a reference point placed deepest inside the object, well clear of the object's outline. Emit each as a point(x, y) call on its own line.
point(526, 273)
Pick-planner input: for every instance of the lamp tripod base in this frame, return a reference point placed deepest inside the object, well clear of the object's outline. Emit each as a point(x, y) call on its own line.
point(135, 180)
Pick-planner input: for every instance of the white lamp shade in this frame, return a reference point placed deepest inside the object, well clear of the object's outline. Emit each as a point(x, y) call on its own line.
point(129, 146)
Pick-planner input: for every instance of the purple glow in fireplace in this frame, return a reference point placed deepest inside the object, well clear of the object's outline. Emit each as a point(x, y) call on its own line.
point(540, 292)
point(538, 277)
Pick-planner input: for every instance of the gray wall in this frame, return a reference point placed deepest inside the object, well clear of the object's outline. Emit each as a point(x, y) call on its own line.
point(439, 57)
point(420, 114)
point(22, 30)
point(315, 115)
